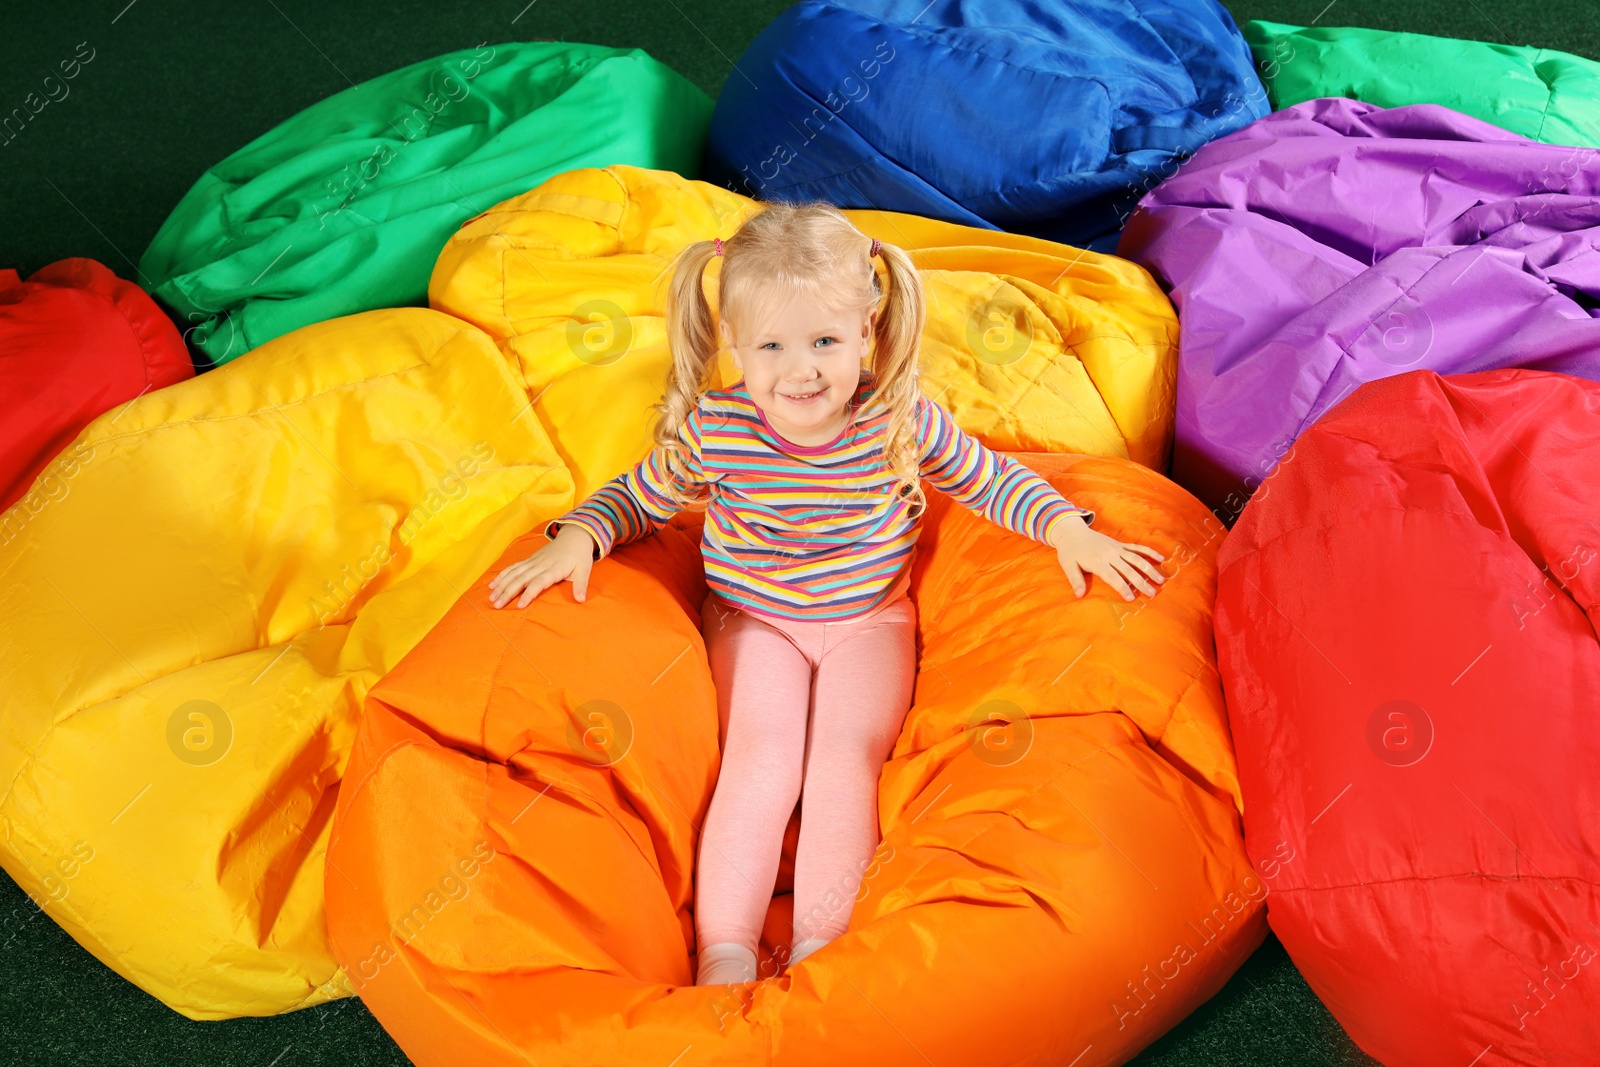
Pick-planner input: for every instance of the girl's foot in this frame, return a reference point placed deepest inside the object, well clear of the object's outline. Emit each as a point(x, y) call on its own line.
point(726, 963)
point(802, 949)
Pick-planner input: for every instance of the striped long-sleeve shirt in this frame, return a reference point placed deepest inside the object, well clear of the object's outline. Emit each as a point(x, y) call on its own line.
point(812, 532)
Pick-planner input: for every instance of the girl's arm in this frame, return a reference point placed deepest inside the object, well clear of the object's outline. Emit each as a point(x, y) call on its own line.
point(634, 503)
point(995, 486)
point(1009, 494)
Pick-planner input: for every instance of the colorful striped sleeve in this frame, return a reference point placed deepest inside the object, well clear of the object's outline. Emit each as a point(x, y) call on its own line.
point(634, 503)
point(995, 486)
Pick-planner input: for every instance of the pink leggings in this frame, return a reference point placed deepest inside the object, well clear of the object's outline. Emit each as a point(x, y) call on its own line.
point(827, 698)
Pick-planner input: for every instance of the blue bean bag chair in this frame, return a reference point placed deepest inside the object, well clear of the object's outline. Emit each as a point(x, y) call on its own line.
point(1044, 117)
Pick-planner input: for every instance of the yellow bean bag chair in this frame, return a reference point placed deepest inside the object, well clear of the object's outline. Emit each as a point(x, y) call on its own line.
point(1061, 878)
point(189, 629)
point(1031, 345)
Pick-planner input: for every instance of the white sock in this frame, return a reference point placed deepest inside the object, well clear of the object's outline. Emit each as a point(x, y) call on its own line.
point(726, 963)
point(802, 949)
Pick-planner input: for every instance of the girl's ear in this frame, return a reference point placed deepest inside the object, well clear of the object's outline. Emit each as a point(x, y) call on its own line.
point(727, 342)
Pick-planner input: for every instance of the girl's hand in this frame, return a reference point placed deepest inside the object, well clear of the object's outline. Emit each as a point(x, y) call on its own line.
point(1081, 549)
point(569, 556)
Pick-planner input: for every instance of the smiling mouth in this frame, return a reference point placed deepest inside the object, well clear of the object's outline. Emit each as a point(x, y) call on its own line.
point(802, 397)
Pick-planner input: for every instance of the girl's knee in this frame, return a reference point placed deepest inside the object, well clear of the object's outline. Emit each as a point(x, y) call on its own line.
point(849, 758)
point(868, 728)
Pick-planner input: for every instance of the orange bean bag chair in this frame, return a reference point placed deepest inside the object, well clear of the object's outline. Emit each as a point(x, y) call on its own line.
point(75, 341)
point(1061, 876)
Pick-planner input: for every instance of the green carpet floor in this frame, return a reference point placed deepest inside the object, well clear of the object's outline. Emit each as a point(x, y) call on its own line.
point(174, 86)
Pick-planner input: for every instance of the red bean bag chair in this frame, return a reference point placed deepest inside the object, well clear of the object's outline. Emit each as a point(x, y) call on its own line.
point(1406, 618)
point(75, 341)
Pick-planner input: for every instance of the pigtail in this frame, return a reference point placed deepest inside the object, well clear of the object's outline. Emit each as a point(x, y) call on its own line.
point(897, 340)
point(691, 340)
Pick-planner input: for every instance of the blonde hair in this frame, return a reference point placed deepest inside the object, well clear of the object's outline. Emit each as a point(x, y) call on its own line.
point(814, 248)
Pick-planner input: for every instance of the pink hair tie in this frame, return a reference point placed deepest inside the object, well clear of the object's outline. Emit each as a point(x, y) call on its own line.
point(719, 245)
point(876, 244)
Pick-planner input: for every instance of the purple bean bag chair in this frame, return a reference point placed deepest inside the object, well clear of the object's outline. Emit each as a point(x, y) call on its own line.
point(1336, 242)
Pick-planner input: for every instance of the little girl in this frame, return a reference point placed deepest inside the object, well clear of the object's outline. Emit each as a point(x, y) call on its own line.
point(810, 466)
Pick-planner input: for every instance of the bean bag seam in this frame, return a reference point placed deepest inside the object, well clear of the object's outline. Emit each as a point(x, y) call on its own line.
point(1110, 163)
point(974, 48)
point(523, 205)
point(505, 288)
point(1538, 878)
point(110, 299)
point(1172, 712)
point(622, 190)
point(1329, 520)
point(94, 280)
point(509, 243)
point(494, 687)
point(278, 407)
point(355, 788)
point(971, 49)
point(1549, 93)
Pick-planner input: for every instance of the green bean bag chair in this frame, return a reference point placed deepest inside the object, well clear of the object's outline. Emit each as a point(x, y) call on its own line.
point(1539, 93)
point(344, 207)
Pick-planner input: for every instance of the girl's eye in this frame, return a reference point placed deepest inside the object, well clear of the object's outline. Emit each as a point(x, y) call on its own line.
point(822, 340)
point(770, 344)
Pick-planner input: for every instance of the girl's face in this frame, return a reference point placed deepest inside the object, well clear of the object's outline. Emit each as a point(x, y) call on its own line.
point(802, 366)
